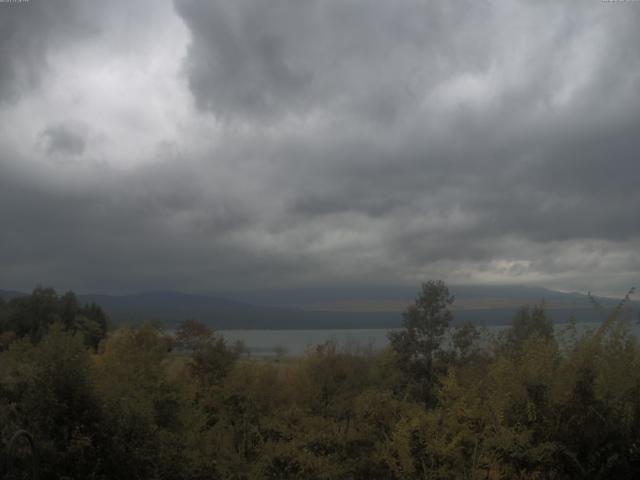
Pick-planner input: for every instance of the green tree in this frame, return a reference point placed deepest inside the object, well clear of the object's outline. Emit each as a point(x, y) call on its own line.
point(152, 422)
point(465, 340)
point(211, 358)
point(192, 334)
point(423, 327)
point(527, 322)
point(211, 362)
point(32, 315)
point(47, 389)
point(92, 323)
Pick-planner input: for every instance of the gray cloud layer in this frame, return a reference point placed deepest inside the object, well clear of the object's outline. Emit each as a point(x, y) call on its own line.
point(221, 145)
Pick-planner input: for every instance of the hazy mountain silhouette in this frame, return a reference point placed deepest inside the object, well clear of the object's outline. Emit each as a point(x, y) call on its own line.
point(317, 308)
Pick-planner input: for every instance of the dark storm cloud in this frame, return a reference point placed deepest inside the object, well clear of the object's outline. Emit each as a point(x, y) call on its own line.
point(255, 59)
point(28, 32)
point(66, 139)
point(119, 231)
point(327, 141)
point(237, 65)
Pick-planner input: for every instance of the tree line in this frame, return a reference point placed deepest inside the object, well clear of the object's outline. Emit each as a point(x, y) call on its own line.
point(437, 403)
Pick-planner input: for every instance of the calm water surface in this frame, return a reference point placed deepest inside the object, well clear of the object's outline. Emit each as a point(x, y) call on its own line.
point(297, 342)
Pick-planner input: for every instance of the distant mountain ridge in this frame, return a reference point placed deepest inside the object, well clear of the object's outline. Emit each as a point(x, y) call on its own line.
point(396, 298)
point(333, 308)
point(8, 294)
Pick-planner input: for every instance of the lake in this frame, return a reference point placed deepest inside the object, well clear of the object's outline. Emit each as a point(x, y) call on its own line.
point(296, 342)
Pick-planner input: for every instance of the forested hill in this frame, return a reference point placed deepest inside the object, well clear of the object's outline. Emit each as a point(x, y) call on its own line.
point(333, 308)
point(530, 402)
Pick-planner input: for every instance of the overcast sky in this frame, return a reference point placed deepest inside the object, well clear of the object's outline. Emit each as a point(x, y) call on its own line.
point(221, 145)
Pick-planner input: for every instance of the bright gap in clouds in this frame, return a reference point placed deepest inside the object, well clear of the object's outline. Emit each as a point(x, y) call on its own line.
point(125, 99)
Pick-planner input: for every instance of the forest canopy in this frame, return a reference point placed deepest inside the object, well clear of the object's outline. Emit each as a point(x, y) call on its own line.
point(438, 402)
